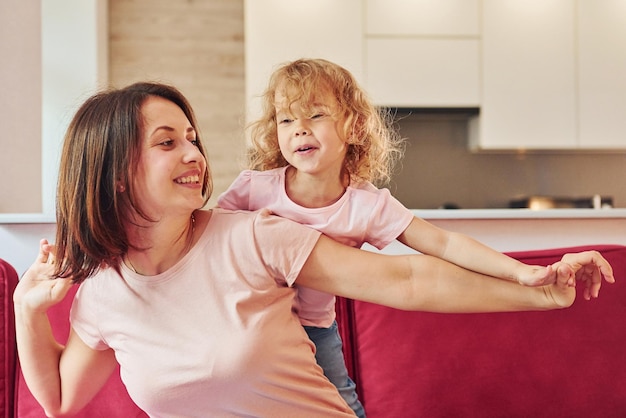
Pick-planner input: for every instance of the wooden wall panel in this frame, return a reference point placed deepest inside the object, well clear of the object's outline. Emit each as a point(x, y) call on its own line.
point(198, 46)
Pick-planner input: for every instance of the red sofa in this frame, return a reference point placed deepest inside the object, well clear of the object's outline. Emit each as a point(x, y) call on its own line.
point(565, 363)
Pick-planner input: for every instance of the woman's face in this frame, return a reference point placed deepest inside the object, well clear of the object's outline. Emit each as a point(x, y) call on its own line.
point(168, 178)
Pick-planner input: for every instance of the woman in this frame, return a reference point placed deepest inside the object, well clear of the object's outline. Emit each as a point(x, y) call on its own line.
point(196, 305)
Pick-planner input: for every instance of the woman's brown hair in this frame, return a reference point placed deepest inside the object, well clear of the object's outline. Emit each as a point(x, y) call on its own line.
point(95, 195)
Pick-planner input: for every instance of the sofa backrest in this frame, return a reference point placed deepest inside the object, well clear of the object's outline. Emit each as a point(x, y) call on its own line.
point(562, 363)
point(8, 281)
point(111, 402)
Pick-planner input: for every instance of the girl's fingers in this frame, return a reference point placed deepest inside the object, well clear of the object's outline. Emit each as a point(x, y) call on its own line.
point(566, 274)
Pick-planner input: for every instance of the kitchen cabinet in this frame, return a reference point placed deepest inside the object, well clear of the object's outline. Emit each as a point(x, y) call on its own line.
point(422, 17)
point(553, 75)
point(546, 74)
point(602, 73)
point(529, 78)
point(416, 72)
point(277, 31)
point(418, 53)
point(422, 53)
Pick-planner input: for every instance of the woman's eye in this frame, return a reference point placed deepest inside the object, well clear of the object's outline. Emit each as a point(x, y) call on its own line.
point(195, 142)
point(167, 142)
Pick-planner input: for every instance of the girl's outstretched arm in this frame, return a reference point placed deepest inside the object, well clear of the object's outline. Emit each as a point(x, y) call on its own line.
point(473, 255)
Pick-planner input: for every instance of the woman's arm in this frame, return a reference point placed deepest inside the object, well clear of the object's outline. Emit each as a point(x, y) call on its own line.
point(62, 378)
point(427, 283)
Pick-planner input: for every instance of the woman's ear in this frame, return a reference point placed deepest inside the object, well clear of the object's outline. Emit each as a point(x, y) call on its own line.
point(120, 187)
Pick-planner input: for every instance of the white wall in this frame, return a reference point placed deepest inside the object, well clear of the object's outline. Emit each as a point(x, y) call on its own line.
point(19, 243)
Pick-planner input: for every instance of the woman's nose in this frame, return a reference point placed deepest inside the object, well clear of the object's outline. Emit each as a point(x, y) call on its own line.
point(192, 153)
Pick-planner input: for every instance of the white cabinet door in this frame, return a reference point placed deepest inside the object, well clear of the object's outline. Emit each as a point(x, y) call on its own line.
point(423, 53)
point(417, 72)
point(277, 31)
point(422, 17)
point(602, 77)
point(529, 82)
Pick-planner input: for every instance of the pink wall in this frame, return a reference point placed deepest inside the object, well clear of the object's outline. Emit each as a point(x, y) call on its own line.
point(20, 106)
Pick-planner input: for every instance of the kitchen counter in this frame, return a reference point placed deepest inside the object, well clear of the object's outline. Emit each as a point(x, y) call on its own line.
point(520, 213)
point(30, 218)
point(527, 229)
point(27, 218)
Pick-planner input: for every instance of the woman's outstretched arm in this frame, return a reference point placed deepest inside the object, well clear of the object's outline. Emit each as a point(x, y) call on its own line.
point(426, 283)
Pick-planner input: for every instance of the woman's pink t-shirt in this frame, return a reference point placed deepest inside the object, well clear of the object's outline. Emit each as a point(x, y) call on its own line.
point(215, 335)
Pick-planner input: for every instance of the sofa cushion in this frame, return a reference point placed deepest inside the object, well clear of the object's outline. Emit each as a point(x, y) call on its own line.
point(562, 363)
point(8, 281)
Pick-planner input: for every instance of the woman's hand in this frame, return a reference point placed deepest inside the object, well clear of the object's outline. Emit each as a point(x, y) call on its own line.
point(589, 267)
point(37, 290)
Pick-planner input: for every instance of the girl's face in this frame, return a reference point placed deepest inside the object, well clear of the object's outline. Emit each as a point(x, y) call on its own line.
point(168, 178)
point(309, 137)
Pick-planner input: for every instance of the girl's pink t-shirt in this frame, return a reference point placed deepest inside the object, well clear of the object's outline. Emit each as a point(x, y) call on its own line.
point(364, 214)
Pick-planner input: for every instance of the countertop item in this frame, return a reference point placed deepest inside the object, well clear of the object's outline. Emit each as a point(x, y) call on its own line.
point(562, 202)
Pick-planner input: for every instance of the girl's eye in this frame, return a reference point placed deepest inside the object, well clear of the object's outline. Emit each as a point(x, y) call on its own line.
point(284, 120)
point(317, 116)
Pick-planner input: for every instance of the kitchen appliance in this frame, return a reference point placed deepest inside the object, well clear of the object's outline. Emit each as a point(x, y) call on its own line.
point(561, 202)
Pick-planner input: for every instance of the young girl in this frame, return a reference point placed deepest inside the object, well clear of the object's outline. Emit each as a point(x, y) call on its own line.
point(316, 153)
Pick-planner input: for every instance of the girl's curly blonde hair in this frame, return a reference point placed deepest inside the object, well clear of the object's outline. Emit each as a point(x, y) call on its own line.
point(374, 146)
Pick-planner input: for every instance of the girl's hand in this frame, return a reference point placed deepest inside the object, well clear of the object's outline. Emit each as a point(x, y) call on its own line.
point(563, 291)
point(536, 275)
point(37, 290)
